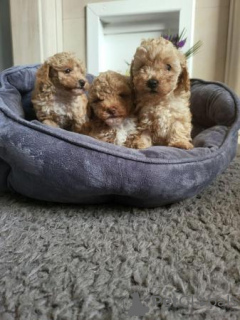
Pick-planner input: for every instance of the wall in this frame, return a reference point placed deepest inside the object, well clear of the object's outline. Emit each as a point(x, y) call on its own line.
point(37, 30)
point(232, 73)
point(74, 25)
point(25, 31)
point(5, 36)
point(211, 26)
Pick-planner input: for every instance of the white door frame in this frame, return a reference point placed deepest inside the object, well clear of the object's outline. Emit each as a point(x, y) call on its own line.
point(96, 11)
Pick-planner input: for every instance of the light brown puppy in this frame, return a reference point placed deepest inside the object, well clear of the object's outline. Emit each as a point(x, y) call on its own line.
point(110, 111)
point(162, 90)
point(59, 96)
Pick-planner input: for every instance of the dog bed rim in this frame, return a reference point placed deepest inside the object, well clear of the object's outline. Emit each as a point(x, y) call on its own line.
point(101, 149)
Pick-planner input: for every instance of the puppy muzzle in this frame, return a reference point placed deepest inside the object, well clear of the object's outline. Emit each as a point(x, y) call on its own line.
point(152, 84)
point(82, 83)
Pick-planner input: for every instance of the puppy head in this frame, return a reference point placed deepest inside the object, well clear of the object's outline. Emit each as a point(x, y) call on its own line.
point(158, 68)
point(64, 71)
point(110, 98)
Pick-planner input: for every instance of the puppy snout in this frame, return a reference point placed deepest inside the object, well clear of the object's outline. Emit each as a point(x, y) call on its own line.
point(152, 83)
point(112, 111)
point(82, 83)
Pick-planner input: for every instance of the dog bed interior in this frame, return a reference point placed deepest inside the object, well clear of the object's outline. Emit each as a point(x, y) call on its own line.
point(57, 165)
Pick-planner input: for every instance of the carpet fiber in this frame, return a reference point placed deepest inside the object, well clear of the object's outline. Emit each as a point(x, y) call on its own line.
point(67, 262)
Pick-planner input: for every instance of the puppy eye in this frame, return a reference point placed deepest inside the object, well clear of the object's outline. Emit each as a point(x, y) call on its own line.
point(67, 70)
point(123, 95)
point(169, 67)
point(97, 100)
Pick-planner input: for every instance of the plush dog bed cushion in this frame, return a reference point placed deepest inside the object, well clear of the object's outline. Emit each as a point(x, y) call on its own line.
point(56, 165)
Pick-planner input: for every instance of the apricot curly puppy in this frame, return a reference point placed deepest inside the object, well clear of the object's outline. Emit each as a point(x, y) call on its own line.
point(162, 91)
point(59, 96)
point(110, 111)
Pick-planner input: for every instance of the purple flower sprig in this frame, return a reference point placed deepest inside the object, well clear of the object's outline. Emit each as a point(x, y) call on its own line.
point(176, 39)
point(179, 41)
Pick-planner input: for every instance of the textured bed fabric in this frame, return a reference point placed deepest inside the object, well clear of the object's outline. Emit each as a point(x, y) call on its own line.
point(56, 165)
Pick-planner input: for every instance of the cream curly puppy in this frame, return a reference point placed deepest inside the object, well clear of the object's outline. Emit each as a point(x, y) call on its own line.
point(110, 112)
point(162, 90)
point(59, 96)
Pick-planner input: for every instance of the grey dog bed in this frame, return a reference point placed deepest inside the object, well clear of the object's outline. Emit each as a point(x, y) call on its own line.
point(57, 165)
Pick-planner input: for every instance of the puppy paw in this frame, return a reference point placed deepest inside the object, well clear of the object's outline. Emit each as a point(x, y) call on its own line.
point(184, 144)
point(50, 123)
point(141, 142)
point(140, 145)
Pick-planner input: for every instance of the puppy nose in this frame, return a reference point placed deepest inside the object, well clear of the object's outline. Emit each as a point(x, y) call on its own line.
point(111, 111)
point(82, 83)
point(152, 83)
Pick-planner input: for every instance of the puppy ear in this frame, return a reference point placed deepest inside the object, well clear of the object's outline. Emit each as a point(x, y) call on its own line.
point(183, 80)
point(90, 112)
point(43, 75)
point(138, 60)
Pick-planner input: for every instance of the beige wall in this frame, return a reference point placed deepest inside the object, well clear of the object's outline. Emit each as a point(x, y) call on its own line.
point(74, 20)
point(25, 31)
point(211, 26)
point(232, 74)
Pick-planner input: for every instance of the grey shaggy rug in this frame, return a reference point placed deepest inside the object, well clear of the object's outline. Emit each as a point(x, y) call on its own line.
point(67, 262)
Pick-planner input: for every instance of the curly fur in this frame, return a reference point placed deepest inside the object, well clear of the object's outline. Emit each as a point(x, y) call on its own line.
point(163, 107)
point(59, 96)
point(110, 111)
